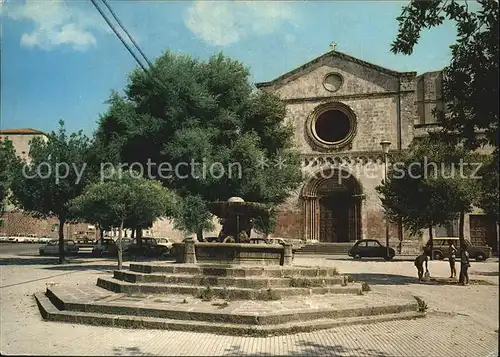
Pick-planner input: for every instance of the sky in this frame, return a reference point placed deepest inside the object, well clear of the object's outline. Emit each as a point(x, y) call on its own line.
point(60, 60)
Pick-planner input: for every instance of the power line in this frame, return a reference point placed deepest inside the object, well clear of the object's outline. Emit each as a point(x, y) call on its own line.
point(119, 36)
point(126, 32)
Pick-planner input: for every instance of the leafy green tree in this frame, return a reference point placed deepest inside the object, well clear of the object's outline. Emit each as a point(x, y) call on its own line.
point(123, 197)
point(8, 161)
point(55, 174)
point(266, 223)
point(470, 82)
point(430, 185)
point(192, 216)
point(214, 134)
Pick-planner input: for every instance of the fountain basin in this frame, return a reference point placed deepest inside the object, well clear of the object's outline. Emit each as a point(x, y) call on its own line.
point(236, 253)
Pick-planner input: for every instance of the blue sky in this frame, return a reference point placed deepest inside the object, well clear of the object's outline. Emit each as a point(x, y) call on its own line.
point(60, 60)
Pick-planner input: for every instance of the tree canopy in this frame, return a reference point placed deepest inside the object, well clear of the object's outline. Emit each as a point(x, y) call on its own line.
point(213, 134)
point(470, 81)
point(8, 161)
point(430, 185)
point(121, 198)
point(55, 174)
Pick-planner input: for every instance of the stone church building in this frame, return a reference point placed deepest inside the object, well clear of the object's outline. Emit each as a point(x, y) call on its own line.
point(342, 108)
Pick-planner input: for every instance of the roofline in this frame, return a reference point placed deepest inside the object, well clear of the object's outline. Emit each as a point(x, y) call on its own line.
point(23, 131)
point(341, 55)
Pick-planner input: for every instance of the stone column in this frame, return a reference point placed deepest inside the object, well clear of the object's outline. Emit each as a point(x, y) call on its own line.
point(287, 254)
point(311, 218)
point(189, 251)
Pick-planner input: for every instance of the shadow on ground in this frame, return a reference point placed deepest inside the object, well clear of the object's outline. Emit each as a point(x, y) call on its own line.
point(381, 260)
point(384, 279)
point(307, 348)
point(129, 351)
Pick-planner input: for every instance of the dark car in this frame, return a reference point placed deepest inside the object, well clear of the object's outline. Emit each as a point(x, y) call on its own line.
point(441, 248)
point(370, 248)
point(109, 247)
point(149, 247)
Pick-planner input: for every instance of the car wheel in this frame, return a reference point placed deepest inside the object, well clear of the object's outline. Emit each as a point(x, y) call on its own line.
point(481, 257)
point(438, 255)
point(357, 256)
point(387, 258)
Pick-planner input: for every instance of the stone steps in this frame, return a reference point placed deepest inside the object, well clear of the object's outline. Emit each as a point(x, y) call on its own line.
point(257, 282)
point(55, 306)
point(225, 292)
point(326, 248)
point(235, 270)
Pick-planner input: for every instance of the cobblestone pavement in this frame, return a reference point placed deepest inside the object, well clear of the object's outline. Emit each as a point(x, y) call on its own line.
point(462, 321)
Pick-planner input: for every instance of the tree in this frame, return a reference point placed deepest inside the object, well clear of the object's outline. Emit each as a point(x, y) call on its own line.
point(124, 196)
point(470, 82)
point(192, 216)
point(266, 223)
point(430, 185)
point(55, 174)
point(208, 127)
point(8, 161)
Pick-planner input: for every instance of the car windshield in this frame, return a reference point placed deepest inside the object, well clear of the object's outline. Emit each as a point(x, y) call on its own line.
point(53, 242)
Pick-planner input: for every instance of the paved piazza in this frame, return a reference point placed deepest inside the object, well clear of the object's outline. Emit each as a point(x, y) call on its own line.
point(461, 321)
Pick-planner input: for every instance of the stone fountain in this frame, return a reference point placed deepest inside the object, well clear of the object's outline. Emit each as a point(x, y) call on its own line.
point(234, 246)
point(209, 286)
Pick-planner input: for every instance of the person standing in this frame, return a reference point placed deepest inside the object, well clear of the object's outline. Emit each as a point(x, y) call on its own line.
point(464, 265)
point(452, 253)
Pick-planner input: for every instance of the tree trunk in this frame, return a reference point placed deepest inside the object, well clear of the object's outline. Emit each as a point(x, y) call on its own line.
point(101, 235)
point(461, 223)
point(431, 240)
point(266, 235)
point(61, 241)
point(138, 235)
point(119, 243)
point(199, 235)
point(133, 234)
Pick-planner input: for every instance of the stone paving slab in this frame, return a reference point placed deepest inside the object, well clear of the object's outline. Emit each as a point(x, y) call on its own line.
point(463, 321)
point(92, 293)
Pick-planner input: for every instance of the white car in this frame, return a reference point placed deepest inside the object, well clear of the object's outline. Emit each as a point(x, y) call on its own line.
point(52, 248)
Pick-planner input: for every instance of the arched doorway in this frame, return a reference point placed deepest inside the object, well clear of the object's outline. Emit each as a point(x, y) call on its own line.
point(332, 207)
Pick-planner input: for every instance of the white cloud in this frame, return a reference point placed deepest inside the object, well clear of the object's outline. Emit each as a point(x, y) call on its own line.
point(222, 23)
point(56, 23)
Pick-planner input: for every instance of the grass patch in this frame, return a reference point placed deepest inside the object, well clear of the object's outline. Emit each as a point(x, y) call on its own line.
point(350, 279)
point(221, 305)
point(422, 305)
point(305, 283)
point(448, 281)
point(365, 287)
point(271, 295)
point(207, 294)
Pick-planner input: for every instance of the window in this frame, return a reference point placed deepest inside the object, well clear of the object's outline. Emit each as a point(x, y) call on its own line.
point(333, 82)
point(373, 243)
point(331, 125)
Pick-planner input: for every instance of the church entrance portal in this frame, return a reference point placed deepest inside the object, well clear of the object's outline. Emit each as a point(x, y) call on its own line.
point(332, 209)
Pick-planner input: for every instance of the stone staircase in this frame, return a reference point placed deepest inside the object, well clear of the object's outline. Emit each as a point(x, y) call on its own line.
point(223, 299)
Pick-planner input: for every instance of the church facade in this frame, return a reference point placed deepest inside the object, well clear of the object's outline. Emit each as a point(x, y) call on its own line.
point(342, 109)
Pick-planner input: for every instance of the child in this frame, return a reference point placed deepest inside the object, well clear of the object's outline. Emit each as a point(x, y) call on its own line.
point(464, 265)
point(452, 253)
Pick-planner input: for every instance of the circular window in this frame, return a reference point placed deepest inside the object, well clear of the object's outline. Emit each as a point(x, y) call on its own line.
point(333, 82)
point(331, 125)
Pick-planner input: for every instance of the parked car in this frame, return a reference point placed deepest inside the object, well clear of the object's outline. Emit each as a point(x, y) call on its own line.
point(165, 242)
point(276, 241)
point(212, 239)
point(259, 241)
point(149, 247)
point(370, 248)
point(52, 248)
point(109, 247)
point(440, 248)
